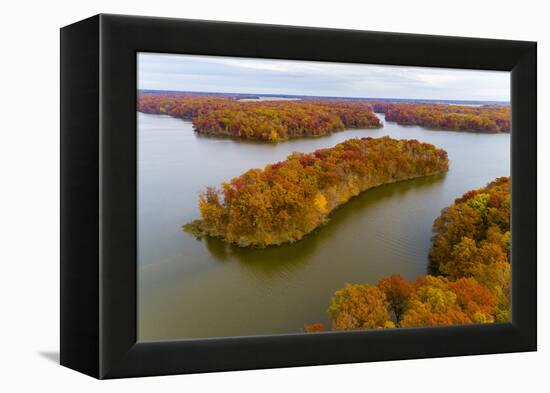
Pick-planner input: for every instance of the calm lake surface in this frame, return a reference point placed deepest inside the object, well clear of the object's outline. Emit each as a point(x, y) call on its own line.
point(189, 288)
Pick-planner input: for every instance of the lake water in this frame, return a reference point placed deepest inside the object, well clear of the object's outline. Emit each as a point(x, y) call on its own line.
point(189, 288)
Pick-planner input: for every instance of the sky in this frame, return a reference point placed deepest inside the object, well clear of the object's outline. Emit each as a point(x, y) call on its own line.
point(177, 72)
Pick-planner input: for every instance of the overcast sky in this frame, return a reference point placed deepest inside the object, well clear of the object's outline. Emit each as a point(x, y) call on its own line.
point(267, 76)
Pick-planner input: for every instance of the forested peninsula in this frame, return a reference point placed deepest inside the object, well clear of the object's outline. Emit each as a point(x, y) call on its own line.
point(287, 200)
point(469, 280)
point(485, 119)
point(266, 121)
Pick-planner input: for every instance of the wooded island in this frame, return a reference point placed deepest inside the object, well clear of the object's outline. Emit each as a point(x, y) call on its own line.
point(286, 200)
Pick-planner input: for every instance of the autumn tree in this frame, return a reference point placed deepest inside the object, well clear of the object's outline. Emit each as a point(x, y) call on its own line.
point(474, 230)
point(439, 301)
point(426, 301)
point(496, 278)
point(359, 307)
point(397, 292)
point(475, 300)
point(433, 304)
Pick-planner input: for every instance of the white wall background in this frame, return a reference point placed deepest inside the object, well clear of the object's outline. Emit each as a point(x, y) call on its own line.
point(29, 215)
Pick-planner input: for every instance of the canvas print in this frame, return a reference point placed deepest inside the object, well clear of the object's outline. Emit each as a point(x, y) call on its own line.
point(284, 197)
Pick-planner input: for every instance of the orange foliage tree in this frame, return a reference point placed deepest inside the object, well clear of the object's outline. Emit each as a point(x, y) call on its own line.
point(359, 307)
point(426, 301)
point(398, 292)
point(474, 230)
point(439, 301)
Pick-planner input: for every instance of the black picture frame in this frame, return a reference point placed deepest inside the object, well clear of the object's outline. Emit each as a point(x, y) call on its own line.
point(98, 195)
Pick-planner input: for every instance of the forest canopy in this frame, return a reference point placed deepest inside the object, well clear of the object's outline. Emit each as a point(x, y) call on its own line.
point(426, 301)
point(486, 118)
point(286, 200)
point(275, 121)
point(470, 273)
point(270, 121)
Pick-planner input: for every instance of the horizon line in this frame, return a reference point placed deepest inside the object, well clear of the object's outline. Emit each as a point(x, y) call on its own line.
point(316, 96)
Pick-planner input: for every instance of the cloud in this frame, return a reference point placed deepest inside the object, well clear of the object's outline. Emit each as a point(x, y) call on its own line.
point(269, 76)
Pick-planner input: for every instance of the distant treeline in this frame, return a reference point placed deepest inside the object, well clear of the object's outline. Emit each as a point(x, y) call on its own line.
point(469, 280)
point(488, 119)
point(275, 121)
point(240, 96)
point(286, 200)
point(271, 121)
